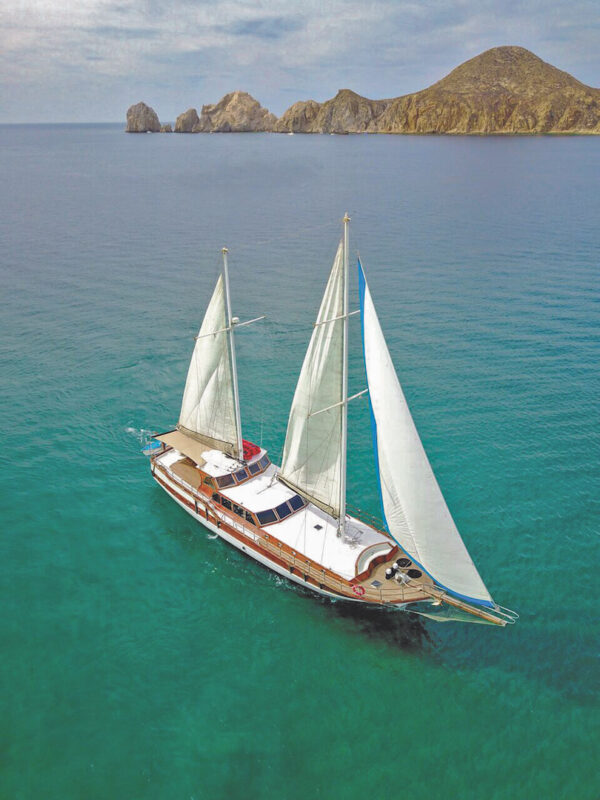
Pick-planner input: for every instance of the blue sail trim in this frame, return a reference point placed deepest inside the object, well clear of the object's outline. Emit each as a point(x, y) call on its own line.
point(361, 292)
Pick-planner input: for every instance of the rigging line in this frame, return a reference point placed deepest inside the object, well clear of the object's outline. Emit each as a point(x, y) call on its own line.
point(341, 403)
point(231, 327)
point(334, 319)
point(323, 547)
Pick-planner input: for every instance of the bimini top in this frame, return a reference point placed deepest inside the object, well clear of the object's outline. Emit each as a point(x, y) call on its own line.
point(201, 452)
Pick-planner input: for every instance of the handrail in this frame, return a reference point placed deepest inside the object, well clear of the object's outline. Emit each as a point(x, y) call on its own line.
point(366, 516)
point(327, 579)
point(304, 565)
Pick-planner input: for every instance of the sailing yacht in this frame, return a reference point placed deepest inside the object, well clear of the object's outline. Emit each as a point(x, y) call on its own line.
point(294, 518)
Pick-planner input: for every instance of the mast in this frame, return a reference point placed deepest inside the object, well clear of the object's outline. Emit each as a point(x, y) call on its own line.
point(234, 377)
point(344, 438)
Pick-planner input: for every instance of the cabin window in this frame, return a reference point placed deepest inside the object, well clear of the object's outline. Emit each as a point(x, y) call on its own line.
point(264, 462)
point(226, 503)
point(266, 517)
point(238, 510)
point(208, 481)
point(296, 502)
point(254, 468)
point(225, 481)
point(250, 518)
point(216, 497)
point(283, 510)
point(241, 475)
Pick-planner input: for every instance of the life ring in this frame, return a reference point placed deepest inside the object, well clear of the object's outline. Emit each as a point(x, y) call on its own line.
point(358, 590)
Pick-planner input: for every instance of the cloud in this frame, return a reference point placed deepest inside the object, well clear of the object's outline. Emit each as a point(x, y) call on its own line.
point(82, 59)
point(265, 27)
point(116, 32)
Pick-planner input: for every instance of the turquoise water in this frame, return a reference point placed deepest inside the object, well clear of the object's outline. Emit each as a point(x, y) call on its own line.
point(143, 658)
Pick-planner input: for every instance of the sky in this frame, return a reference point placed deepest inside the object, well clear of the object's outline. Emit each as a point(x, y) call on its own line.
point(88, 60)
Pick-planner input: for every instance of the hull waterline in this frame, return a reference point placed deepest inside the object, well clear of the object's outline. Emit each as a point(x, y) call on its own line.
point(424, 600)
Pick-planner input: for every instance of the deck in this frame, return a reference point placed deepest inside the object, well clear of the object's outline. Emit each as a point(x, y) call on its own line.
point(370, 586)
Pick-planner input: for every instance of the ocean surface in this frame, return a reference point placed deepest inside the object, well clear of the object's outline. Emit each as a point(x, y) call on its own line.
point(143, 658)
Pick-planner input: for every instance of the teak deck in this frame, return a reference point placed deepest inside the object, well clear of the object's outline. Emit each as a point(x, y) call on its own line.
point(196, 496)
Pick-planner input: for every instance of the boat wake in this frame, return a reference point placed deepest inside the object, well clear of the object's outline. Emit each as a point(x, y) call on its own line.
point(141, 434)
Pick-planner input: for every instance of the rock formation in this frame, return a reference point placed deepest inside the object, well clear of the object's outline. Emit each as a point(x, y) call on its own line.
point(504, 90)
point(142, 119)
point(236, 112)
point(298, 118)
point(186, 122)
point(347, 112)
point(166, 128)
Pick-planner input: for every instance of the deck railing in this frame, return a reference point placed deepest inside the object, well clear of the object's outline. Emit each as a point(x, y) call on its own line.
point(395, 594)
point(366, 516)
point(298, 562)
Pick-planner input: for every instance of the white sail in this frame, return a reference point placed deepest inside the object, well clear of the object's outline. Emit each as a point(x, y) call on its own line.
point(312, 461)
point(208, 408)
point(414, 508)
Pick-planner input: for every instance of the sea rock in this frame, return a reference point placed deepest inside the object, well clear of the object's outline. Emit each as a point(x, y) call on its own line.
point(186, 122)
point(142, 119)
point(166, 128)
point(236, 112)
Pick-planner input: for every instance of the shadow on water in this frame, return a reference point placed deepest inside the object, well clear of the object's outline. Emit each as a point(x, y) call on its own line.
point(404, 631)
point(521, 649)
point(396, 628)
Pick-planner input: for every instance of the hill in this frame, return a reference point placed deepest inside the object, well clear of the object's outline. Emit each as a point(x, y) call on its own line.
point(506, 90)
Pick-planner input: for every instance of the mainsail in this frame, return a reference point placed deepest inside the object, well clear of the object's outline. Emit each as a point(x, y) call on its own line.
point(312, 454)
point(208, 409)
point(414, 508)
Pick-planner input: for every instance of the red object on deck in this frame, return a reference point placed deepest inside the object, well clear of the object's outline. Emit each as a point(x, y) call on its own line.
point(250, 450)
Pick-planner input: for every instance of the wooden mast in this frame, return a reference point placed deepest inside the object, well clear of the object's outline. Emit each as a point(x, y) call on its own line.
point(344, 437)
point(230, 325)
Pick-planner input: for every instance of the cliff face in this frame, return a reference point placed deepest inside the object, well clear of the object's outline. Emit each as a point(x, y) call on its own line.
point(142, 119)
point(299, 117)
point(236, 112)
point(347, 112)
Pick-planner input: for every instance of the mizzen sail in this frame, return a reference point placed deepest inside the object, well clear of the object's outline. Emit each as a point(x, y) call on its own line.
point(312, 454)
point(208, 409)
point(414, 508)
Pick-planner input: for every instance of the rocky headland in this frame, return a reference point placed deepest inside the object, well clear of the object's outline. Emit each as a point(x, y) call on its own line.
point(506, 90)
point(237, 112)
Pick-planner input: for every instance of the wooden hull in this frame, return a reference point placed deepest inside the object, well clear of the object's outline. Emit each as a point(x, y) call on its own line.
point(240, 541)
point(416, 597)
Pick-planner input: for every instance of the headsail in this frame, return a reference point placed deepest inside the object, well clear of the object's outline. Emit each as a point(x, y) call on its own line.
point(208, 409)
point(414, 508)
point(312, 460)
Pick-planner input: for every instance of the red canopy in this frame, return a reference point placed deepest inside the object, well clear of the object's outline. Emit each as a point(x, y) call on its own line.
point(250, 450)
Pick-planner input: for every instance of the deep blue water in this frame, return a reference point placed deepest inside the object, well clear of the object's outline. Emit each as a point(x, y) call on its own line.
point(143, 659)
